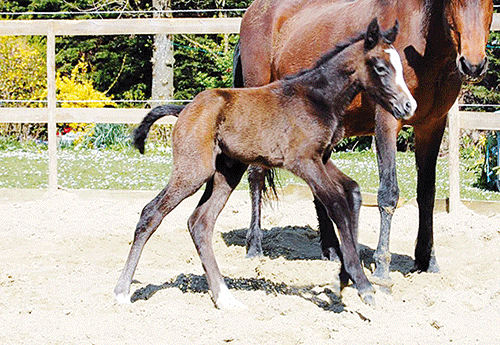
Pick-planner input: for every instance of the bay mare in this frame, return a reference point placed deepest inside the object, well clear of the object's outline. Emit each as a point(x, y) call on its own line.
point(291, 124)
point(442, 44)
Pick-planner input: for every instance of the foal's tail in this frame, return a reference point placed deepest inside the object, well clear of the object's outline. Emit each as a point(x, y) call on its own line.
point(141, 132)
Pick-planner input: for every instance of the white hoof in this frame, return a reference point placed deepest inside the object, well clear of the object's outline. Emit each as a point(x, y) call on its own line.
point(123, 298)
point(227, 301)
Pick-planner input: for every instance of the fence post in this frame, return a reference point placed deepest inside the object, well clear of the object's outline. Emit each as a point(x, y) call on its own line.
point(454, 157)
point(51, 105)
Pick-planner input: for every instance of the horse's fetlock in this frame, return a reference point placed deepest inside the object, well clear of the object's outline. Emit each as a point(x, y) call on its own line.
point(382, 257)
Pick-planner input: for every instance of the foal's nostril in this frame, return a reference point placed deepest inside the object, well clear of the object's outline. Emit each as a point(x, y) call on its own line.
point(407, 107)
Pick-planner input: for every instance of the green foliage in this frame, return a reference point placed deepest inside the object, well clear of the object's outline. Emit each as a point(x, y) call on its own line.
point(23, 76)
point(485, 162)
point(121, 65)
point(209, 65)
point(354, 144)
point(107, 136)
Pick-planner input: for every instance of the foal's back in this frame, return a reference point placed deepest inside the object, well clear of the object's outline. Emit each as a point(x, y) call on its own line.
point(261, 126)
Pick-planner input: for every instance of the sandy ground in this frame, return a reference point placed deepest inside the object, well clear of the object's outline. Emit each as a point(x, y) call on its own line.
point(61, 254)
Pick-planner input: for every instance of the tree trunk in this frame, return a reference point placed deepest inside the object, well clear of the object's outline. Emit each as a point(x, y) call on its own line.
point(163, 61)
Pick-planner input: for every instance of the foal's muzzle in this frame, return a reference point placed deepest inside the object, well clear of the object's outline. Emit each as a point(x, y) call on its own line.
point(404, 107)
point(403, 110)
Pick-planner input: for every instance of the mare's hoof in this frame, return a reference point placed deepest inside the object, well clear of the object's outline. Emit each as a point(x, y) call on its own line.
point(254, 252)
point(433, 265)
point(122, 298)
point(382, 272)
point(232, 304)
point(385, 283)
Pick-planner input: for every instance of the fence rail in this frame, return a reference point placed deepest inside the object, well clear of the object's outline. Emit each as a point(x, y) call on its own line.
point(140, 26)
point(52, 115)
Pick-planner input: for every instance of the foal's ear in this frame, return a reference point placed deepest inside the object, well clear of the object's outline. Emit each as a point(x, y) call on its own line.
point(372, 35)
point(390, 35)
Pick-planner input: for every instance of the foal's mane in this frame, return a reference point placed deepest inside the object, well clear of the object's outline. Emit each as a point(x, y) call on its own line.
point(327, 56)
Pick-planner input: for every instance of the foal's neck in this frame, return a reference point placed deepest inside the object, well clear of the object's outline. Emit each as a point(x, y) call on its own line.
point(331, 87)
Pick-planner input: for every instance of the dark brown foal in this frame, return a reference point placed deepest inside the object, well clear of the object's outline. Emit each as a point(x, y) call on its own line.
point(291, 124)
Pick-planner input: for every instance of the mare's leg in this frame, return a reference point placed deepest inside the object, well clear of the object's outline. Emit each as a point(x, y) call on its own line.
point(330, 192)
point(182, 184)
point(427, 141)
point(388, 194)
point(256, 180)
point(202, 221)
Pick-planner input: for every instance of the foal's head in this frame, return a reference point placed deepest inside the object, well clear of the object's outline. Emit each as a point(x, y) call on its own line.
point(380, 72)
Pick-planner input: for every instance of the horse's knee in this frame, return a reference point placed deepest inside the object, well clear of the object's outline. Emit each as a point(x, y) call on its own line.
point(356, 195)
point(388, 197)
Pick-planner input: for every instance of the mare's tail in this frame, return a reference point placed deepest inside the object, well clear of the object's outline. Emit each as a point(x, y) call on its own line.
point(141, 132)
point(237, 71)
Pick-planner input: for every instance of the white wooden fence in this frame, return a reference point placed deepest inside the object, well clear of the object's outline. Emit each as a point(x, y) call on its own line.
point(52, 115)
point(53, 28)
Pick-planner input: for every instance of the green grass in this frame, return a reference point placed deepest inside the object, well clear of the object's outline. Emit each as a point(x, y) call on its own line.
point(26, 167)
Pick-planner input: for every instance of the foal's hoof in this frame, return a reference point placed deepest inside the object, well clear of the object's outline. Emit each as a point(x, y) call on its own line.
point(368, 299)
point(123, 298)
point(367, 296)
point(433, 266)
point(227, 301)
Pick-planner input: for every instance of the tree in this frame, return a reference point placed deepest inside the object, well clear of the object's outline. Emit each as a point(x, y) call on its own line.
point(163, 61)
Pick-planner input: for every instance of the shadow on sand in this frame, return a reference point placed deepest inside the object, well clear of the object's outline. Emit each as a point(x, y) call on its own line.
point(302, 243)
point(292, 243)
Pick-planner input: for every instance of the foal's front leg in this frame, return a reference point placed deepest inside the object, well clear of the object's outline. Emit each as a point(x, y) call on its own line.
point(329, 241)
point(330, 192)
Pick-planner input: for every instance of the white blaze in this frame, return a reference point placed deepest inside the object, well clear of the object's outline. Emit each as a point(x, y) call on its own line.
point(398, 66)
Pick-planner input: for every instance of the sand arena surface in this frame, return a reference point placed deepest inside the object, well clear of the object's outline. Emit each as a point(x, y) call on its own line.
point(61, 255)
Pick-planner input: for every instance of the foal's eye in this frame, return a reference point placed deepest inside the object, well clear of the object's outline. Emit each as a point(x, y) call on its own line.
point(381, 69)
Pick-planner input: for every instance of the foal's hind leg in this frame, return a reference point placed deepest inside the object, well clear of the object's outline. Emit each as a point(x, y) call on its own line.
point(181, 185)
point(256, 177)
point(202, 221)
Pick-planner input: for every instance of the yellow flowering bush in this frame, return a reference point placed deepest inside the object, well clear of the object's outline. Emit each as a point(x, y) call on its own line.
point(74, 90)
point(23, 73)
point(78, 88)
